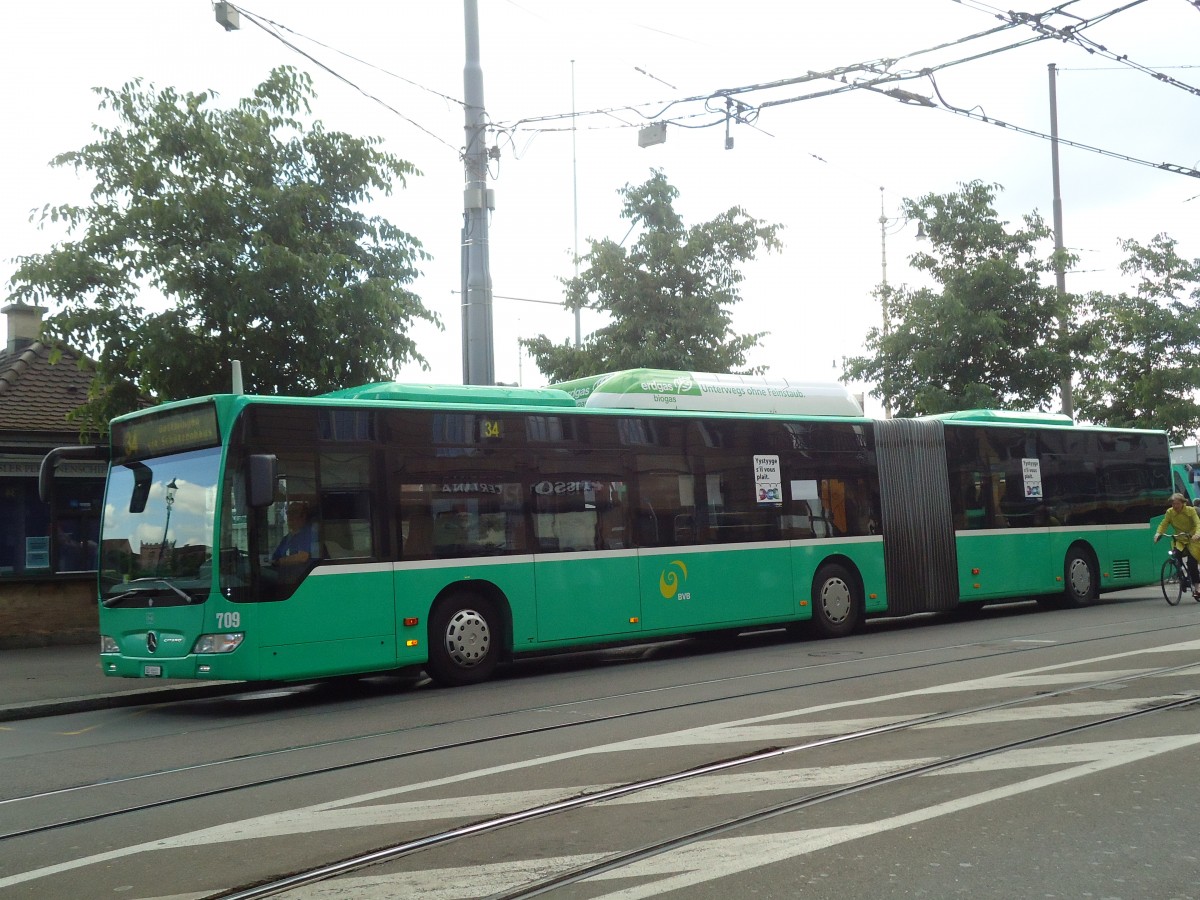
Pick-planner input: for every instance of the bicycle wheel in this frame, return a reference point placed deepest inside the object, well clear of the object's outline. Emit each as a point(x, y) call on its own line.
point(1172, 585)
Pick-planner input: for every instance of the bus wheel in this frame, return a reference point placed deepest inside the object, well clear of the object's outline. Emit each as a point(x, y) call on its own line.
point(836, 604)
point(464, 639)
point(1079, 573)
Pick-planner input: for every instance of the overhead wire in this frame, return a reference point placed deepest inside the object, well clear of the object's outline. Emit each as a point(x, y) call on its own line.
point(353, 58)
point(983, 117)
point(879, 70)
point(269, 26)
point(660, 108)
point(1072, 34)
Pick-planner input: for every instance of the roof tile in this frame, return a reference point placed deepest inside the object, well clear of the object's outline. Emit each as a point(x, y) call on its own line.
point(37, 395)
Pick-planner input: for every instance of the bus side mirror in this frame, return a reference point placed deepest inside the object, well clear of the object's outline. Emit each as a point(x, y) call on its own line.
point(261, 476)
point(143, 478)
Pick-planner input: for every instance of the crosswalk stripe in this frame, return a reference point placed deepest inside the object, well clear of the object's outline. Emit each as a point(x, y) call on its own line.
point(750, 729)
point(708, 860)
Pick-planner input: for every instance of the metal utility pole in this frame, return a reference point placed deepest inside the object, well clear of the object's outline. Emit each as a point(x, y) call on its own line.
point(884, 302)
point(1065, 388)
point(478, 201)
point(575, 195)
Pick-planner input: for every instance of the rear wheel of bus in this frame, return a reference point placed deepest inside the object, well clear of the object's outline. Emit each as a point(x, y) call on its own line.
point(837, 601)
point(1081, 577)
point(464, 639)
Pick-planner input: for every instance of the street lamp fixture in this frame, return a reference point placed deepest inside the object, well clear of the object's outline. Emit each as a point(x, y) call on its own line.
point(172, 488)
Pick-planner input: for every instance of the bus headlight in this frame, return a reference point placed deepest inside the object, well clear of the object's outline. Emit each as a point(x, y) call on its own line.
point(226, 642)
point(108, 645)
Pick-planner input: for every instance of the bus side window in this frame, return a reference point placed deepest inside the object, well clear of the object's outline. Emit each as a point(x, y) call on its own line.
point(412, 519)
point(450, 532)
point(346, 525)
point(420, 536)
point(612, 526)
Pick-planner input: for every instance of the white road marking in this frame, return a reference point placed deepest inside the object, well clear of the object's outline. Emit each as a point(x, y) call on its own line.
point(693, 736)
point(708, 860)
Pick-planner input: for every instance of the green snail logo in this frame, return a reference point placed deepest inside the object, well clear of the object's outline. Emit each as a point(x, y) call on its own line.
point(668, 581)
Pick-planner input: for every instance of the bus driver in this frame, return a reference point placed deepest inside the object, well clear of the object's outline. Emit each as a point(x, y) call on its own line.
point(299, 545)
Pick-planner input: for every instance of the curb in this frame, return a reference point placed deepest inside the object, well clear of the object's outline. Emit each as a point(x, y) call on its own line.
point(16, 712)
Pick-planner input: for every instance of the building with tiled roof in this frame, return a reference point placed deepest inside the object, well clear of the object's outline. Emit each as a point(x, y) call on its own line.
point(37, 396)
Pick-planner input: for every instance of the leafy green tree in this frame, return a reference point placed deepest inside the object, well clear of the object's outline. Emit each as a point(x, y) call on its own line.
point(247, 222)
point(1143, 370)
point(669, 296)
point(988, 336)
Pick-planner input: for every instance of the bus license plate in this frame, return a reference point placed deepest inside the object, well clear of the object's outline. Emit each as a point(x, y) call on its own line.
point(152, 671)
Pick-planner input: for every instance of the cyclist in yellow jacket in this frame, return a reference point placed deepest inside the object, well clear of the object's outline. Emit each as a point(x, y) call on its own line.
point(1186, 521)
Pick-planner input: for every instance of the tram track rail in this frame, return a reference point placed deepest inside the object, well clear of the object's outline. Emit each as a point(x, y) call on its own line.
point(555, 727)
point(623, 859)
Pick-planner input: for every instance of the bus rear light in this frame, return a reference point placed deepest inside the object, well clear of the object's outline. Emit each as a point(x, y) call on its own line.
point(633, 620)
point(413, 642)
point(974, 571)
point(411, 621)
point(108, 645)
point(803, 603)
point(873, 596)
point(218, 643)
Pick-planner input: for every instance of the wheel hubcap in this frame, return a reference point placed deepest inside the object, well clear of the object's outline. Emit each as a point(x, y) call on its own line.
point(836, 600)
point(468, 638)
point(1081, 578)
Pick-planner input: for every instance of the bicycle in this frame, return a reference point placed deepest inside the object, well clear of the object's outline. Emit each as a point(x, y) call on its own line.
point(1174, 577)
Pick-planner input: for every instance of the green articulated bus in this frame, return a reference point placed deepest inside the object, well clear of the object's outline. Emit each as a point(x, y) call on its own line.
point(450, 528)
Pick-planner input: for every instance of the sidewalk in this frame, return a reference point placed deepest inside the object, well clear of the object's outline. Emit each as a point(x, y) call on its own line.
point(50, 681)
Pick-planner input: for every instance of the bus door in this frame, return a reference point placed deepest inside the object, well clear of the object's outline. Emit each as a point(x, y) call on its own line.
point(585, 569)
point(998, 481)
point(328, 603)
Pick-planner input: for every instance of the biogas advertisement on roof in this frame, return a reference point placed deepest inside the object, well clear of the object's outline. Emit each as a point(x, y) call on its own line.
point(711, 392)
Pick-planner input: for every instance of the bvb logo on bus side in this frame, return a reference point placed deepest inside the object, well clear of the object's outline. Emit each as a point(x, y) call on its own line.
point(669, 583)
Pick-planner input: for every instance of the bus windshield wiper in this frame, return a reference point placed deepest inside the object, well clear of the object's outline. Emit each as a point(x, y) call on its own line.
point(145, 585)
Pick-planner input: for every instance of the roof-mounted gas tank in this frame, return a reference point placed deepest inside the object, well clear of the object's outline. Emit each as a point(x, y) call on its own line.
point(711, 392)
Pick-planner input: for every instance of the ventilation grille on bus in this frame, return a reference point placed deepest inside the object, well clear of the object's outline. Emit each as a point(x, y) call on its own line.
point(1120, 568)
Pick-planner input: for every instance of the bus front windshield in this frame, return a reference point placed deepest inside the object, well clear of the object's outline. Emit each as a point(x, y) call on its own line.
point(157, 532)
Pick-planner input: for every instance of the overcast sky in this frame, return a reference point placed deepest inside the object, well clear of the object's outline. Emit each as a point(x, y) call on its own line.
point(814, 166)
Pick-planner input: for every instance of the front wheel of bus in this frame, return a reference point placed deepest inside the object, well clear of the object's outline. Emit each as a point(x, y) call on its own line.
point(1082, 582)
point(464, 639)
point(836, 603)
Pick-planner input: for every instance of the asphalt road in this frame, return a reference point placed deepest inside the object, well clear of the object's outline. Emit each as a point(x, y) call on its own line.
point(1021, 753)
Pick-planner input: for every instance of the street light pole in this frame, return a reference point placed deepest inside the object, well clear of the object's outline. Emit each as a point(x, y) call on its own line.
point(884, 301)
point(1065, 389)
point(885, 289)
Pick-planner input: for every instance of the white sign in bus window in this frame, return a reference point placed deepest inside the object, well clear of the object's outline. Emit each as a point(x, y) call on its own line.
point(37, 552)
point(1031, 469)
point(768, 486)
